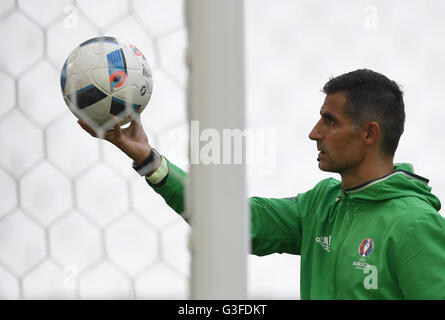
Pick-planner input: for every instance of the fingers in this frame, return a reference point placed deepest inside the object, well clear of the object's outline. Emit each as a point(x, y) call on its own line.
point(87, 128)
point(114, 133)
point(117, 126)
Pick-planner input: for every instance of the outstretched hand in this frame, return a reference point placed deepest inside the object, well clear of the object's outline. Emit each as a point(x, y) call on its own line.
point(131, 140)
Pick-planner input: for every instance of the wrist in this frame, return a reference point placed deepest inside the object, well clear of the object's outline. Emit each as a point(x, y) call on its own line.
point(148, 165)
point(141, 156)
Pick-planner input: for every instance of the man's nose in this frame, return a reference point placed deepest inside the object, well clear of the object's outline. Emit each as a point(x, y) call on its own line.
point(315, 133)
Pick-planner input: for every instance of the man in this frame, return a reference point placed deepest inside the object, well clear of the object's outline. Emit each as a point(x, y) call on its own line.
point(376, 234)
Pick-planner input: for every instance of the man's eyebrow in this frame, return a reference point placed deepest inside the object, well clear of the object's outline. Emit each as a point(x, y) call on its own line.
point(327, 115)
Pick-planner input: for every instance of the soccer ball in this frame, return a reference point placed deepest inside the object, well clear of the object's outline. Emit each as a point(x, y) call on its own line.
point(105, 77)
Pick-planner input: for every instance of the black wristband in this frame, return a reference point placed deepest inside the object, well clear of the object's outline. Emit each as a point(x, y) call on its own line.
point(149, 165)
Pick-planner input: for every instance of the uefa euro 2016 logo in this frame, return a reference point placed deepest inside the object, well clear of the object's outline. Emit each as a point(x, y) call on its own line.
point(366, 247)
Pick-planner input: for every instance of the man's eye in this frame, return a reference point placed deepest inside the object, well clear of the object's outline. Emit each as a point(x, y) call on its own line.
point(329, 120)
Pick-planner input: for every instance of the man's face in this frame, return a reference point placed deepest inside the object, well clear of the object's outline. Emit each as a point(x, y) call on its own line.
point(337, 139)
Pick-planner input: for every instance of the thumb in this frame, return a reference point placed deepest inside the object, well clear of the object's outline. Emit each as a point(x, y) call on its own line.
point(136, 121)
point(135, 125)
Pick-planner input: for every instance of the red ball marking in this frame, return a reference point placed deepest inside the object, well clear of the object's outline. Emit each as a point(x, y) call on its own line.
point(135, 50)
point(121, 74)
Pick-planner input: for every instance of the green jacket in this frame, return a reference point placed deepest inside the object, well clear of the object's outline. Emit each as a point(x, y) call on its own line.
point(381, 240)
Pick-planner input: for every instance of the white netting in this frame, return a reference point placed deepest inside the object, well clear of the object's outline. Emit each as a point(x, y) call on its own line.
point(75, 220)
point(58, 239)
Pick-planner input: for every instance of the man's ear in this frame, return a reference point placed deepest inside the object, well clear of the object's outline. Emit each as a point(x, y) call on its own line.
point(371, 133)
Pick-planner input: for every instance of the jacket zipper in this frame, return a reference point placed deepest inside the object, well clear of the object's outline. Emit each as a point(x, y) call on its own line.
point(340, 196)
point(351, 215)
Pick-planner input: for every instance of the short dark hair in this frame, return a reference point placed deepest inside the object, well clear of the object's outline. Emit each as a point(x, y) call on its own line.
point(371, 96)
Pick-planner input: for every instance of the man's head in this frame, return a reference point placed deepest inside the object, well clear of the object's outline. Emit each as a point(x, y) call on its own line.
point(363, 114)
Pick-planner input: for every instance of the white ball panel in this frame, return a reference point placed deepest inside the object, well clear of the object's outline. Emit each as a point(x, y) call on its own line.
point(100, 77)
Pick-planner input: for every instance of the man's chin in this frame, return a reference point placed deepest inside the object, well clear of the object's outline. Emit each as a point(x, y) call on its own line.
point(325, 167)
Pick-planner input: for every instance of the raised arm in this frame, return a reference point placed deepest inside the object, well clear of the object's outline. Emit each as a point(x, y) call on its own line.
point(275, 223)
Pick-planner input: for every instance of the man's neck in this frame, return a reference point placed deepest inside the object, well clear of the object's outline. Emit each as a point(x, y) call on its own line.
point(366, 172)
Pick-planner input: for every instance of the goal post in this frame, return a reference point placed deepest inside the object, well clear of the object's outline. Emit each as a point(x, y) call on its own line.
point(216, 191)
